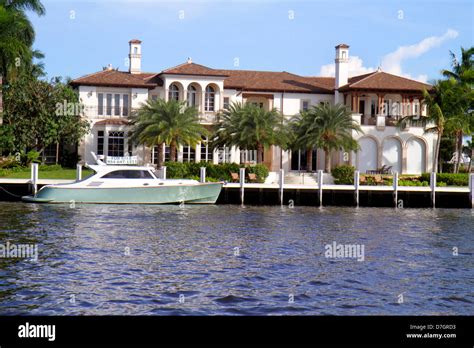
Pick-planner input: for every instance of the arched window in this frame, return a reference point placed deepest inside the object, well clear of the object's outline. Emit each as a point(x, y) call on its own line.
point(192, 96)
point(173, 93)
point(209, 99)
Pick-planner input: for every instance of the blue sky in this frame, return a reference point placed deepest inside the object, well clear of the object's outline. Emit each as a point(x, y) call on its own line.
point(411, 38)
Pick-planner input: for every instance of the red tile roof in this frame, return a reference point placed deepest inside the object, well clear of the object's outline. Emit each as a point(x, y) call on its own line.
point(248, 80)
point(115, 78)
point(380, 80)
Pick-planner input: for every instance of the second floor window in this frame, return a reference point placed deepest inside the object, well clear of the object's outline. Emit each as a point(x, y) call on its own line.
point(173, 93)
point(192, 96)
point(109, 105)
point(305, 105)
point(125, 105)
point(117, 104)
point(226, 103)
point(100, 104)
point(209, 99)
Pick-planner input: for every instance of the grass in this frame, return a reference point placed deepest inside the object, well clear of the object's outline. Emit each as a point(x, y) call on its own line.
point(66, 174)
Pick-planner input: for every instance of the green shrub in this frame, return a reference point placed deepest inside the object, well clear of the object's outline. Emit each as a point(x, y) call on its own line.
point(343, 175)
point(450, 179)
point(412, 183)
point(214, 172)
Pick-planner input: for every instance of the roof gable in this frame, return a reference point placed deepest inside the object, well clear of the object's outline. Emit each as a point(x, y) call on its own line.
point(115, 78)
point(380, 80)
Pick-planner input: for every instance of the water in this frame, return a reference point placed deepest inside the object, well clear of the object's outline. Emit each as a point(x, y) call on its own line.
point(138, 260)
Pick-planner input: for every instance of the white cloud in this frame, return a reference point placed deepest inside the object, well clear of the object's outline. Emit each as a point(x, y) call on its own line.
point(356, 67)
point(392, 62)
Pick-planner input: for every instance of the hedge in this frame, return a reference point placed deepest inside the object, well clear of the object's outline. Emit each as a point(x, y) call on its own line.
point(343, 175)
point(450, 179)
point(214, 172)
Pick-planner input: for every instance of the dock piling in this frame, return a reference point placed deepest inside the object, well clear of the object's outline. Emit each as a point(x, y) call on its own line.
point(163, 172)
point(78, 172)
point(202, 174)
point(34, 177)
point(281, 182)
point(433, 189)
point(395, 189)
point(320, 187)
point(356, 187)
point(242, 184)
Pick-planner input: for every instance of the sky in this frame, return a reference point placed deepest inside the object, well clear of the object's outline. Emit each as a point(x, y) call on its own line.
point(409, 38)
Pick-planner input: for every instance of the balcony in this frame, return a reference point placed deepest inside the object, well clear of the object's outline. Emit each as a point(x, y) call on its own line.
point(208, 118)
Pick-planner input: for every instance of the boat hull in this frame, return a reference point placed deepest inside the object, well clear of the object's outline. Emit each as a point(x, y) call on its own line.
point(202, 193)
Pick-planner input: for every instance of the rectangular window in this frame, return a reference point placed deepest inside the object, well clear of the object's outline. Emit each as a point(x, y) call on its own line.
point(224, 154)
point(125, 105)
point(305, 105)
point(189, 154)
point(100, 104)
point(206, 151)
point(117, 104)
point(226, 103)
point(100, 142)
point(154, 97)
point(109, 105)
point(167, 156)
point(372, 108)
point(116, 144)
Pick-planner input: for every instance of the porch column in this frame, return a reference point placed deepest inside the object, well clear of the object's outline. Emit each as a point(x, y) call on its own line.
point(353, 102)
point(380, 100)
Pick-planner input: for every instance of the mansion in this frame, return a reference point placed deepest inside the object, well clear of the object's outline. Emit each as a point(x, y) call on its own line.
point(377, 101)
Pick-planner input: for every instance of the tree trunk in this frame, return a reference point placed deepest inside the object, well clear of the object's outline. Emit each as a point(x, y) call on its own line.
point(259, 153)
point(309, 160)
point(160, 155)
point(173, 152)
point(57, 152)
point(327, 161)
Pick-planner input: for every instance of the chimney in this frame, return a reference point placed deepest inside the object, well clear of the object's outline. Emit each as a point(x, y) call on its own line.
point(342, 69)
point(135, 57)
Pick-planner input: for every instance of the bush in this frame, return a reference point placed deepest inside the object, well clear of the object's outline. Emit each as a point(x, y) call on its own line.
point(9, 162)
point(214, 172)
point(343, 175)
point(450, 179)
point(412, 183)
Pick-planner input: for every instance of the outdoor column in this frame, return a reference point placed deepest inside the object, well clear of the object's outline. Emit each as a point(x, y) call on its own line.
point(281, 181)
point(320, 187)
point(34, 177)
point(242, 184)
point(433, 189)
point(395, 189)
point(471, 189)
point(356, 187)
point(78, 172)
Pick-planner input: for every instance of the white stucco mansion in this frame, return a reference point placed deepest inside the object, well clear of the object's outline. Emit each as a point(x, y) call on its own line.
point(376, 99)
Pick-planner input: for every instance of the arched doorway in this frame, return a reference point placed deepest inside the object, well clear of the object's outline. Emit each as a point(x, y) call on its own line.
point(392, 154)
point(416, 156)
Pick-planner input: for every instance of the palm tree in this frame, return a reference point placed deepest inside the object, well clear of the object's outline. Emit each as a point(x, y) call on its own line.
point(17, 37)
point(463, 74)
point(171, 122)
point(297, 128)
point(249, 127)
point(329, 127)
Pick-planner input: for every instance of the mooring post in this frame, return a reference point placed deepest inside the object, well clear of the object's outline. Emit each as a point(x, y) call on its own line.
point(395, 189)
point(78, 172)
point(242, 184)
point(433, 189)
point(320, 187)
point(281, 182)
point(356, 187)
point(471, 189)
point(163, 173)
point(202, 174)
point(34, 177)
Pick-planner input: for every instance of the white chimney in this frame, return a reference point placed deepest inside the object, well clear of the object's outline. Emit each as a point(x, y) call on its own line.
point(342, 69)
point(135, 56)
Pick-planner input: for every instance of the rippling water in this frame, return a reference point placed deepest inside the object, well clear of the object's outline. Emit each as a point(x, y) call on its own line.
point(138, 260)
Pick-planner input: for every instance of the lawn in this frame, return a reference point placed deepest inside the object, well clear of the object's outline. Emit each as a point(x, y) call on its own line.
point(64, 173)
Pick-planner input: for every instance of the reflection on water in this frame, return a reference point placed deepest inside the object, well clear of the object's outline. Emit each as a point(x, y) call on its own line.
point(106, 259)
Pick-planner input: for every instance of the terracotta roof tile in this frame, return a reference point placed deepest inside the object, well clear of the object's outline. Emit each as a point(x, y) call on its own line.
point(115, 78)
point(192, 69)
point(380, 80)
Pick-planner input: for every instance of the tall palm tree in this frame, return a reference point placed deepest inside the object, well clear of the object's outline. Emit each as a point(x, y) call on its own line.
point(463, 74)
point(297, 128)
point(17, 37)
point(330, 128)
point(171, 122)
point(249, 127)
